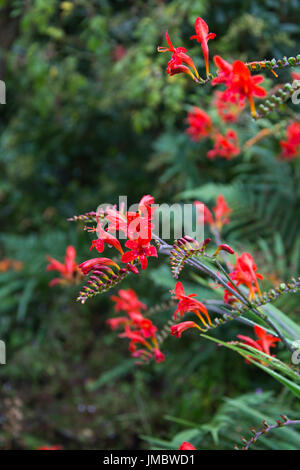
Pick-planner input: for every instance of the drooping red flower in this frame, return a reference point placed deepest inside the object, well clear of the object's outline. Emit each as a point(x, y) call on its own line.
point(179, 328)
point(245, 273)
point(187, 303)
point(264, 342)
point(225, 146)
point(138, 329)
point(202, 35)
point(180, 61)
point(101, 264)
point(158, 355)
point(239, 81)
point(140, 250)
point(224, 72)
point(105, 238)
point(291, 146)
point(200, 124)
point(127, 301)
point(186, 446)
point(221, 213)
point(69, 270)
point(149, 344)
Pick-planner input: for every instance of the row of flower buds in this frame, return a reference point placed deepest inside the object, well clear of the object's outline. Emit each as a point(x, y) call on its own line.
point(100, 281)
point(284, 288)
point(274, 63)
point(265, 429)
point(186, 247)
point(87, 217)
point(278, 98)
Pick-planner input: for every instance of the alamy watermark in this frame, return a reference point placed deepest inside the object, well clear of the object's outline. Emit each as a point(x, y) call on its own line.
point(168, 221)
point(296, 93)
point(296, 354)
point(2, 92)
point(2, 352)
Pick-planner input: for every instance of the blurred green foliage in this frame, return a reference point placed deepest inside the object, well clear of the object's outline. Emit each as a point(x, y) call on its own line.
point(91, 115)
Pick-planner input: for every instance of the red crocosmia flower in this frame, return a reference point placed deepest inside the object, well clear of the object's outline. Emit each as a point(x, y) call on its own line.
point(147, 328)
point(202, 35)
point(244, 273)
point(186, 446)
point(127, 301)
point(238, 80)
point(246, 85)
point(229, 298)
point(228, 106)
point(58, 447)
point(224, 72)
point(291, 146)
point(140, 250)
point(199, 123)
point(225, 146)
point(221, 213)
point(105, 237)
point(177, 330)
point(69, 271)
point(180, 61)
point(159, 356)
point(134, 336)
point(101, 264)
point(187, 303)
point(133, 224)
point(264, 342)
point(138, 329)
point(224, 247)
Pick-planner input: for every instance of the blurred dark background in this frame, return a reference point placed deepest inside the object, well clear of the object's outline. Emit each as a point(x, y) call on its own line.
point(91, 114)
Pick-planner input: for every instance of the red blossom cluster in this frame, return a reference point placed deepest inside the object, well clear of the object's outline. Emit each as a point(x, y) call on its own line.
point(135, 226)
point(239, 82)
point(220, 216)
point(69, 271)
point(138, 329)
point(225, 146)
point(187, 303)
point(291, 146)
point(264, 342)
point(236, 77)
point(200, 127)
point(244, 273)
point(228, 107)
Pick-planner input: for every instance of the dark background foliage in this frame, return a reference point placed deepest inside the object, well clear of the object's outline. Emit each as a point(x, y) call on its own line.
point(91, 115)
